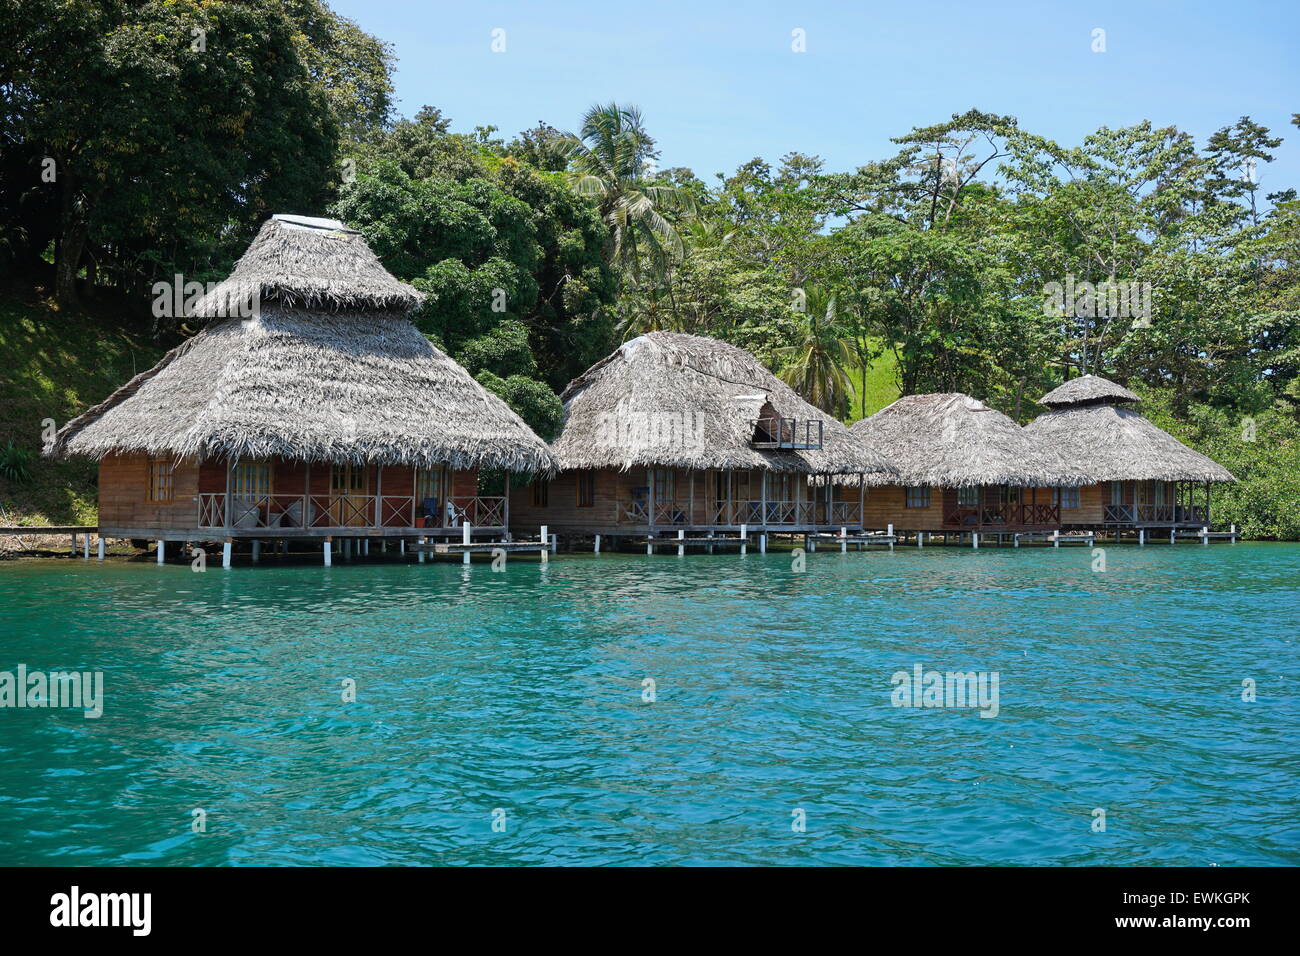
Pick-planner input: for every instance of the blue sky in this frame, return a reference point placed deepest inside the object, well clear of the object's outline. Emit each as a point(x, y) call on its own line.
point(719, 84)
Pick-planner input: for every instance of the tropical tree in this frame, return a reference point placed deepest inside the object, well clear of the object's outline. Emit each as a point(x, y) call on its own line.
point(611, 162)
point(816, 365)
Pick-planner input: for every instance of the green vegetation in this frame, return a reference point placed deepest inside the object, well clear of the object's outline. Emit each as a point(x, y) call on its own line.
point(978, 257)
point(55, 369)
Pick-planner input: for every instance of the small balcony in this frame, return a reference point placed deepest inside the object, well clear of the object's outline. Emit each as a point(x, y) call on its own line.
point(787, 434)
point(1167, 515)
point(320, 515)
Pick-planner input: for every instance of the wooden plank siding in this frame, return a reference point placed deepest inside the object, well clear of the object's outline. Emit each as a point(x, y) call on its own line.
point(126, 511)
point(124, 495)
point(614, 492)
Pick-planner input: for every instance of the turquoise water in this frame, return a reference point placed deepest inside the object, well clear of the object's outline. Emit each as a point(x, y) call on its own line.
point(523, 691)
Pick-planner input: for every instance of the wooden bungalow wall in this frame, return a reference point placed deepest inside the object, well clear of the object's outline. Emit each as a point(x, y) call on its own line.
point(124, 495)
point(124, 504)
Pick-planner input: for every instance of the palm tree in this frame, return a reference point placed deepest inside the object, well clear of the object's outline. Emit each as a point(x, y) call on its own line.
point(815, 366)
point(609, 164)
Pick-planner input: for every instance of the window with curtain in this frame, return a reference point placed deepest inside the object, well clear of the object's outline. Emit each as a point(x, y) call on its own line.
point(161, 485)
point(664, 484)
point(586, 489)
point(968, 497)
point(541, 493)
point(917, 496)
point(251, 478)
point(1065, 497)
point(428, 483)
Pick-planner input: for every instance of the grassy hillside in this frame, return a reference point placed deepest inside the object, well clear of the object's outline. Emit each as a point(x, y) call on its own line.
point(882, 387)
point(55, 365)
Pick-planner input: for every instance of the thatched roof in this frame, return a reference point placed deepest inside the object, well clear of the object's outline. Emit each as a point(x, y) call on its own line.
point(951, 440)
point(1109, 443)
point(1087, 390)
point(670, 400)
point(313, 384)
point(313, 387)
point(304, 262)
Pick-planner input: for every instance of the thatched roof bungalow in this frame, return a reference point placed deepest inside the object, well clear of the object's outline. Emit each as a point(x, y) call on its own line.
point(1135, 473)
point(961, 466)
point(318, 409)
point(685, 431)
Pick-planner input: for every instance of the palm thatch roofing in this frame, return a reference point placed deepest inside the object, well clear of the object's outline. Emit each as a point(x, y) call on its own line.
point(1110, 443)
point(950, 440)
point(1087, 390)
point(309, 263)
point(359, 386)
point(671, 400)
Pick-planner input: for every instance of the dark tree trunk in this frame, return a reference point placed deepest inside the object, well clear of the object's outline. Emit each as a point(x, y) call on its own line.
point(74, 228)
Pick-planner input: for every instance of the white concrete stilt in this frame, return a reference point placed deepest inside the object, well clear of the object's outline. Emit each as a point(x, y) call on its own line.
point(762, 544)
point(85, 546)
point(597, 545)
point(401, 547)
point(1056, 538)
point(101, 547)
point(257, 551)
point(1142, 537)
point(464, 539)
point(329, 552)
point(975, 539)
point(1205, 535)
point(744, 538)
point(844, 540)
point(366, 545)
point(226, 548)
point(422, 541)
point(162, 551)
point(920, 539)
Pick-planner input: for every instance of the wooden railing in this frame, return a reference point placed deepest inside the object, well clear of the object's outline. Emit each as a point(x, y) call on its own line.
point(754, 513)
point(788, 433)
point(241, 512)
point(1156, 514)
point(1002, 516)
